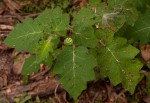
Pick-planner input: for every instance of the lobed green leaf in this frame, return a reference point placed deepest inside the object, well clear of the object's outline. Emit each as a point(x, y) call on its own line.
point(83, 33)
point(30, 66)
point(44, 49)
point(74, 67)
point(83, 19)
point(141, 30)
point(86, 37)
point(141, 5)
point(122, 67)
point(54, 21)
point(25, 36)
point(115, 14)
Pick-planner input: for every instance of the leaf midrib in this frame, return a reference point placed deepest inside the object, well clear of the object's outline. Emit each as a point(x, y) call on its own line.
point(23, 36)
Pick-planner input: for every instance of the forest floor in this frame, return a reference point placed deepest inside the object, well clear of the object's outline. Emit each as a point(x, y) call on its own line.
point(45, 89)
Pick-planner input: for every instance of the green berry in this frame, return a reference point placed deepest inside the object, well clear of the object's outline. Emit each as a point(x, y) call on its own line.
point(68, 41)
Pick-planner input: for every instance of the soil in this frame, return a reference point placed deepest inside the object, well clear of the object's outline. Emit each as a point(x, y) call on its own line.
point(44, 88)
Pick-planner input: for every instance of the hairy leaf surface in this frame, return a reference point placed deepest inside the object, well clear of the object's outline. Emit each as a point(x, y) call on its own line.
point(54, 21)
point(116, 14)
point(141, 5)
point(130, 13)
point(30, 66)
point(84, 18)
point(74, 67)
point(141, 30)
point(25, 36)
point(106, 36)
point(43, 49)
point(94, 2)
point(116, 61)
point(116, 2)
point(82, 28)
point(86, 38)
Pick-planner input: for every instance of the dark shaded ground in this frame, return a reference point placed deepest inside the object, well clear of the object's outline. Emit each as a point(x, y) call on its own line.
point(41, 84)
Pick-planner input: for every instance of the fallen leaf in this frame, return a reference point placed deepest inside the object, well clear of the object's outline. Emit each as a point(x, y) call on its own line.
point(146, 99)
point(145, 52)
point(12, 5)
point(9, 27)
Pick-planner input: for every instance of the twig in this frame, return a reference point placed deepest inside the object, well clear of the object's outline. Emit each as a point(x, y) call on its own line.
point(93, 100)
point(8, 27)
point(56, 93)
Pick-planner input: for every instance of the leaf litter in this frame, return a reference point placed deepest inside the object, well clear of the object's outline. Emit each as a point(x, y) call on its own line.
point(48, 88)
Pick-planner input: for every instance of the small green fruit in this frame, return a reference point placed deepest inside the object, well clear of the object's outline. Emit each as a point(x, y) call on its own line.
point(68, 41)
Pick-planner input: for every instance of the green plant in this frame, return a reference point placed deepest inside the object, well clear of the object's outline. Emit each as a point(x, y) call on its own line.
point(23, 98)
point(97, 36)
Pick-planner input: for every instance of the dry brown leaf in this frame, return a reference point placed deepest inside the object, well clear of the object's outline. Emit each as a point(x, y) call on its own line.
point(2, 8)
point(8, 27)
point(12, 5)
point(18, 63)
point(82, 3)
point(146, 99)
point(78, 3)
point(145, 52)
point(6, 63)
